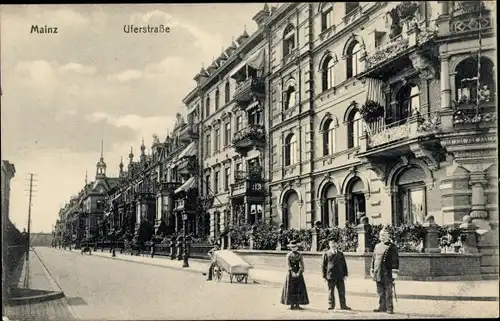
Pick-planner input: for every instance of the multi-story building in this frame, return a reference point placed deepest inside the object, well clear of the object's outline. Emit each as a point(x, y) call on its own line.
point(146, 191)
point(229, 100)
point(373, 107)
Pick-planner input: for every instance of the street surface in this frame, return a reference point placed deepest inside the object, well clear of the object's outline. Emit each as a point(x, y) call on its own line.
point(101, 288)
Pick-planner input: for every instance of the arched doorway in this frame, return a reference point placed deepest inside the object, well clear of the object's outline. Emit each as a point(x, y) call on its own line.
point(291, 211)
point(329, 210)
point(356, 203)
point(410, 199)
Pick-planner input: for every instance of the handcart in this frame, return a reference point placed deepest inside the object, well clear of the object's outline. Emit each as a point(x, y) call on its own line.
point(228, 261)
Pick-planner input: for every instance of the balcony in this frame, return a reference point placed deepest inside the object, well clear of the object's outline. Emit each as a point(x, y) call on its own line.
point(466, 17)
point(248, 89)
point(168, 187)
point(396, 55)
point(248, 184)
point(187, 166)
point(248, 138)
point(189, 132)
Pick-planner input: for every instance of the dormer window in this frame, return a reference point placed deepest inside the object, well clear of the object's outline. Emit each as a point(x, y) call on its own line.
point(288, 40)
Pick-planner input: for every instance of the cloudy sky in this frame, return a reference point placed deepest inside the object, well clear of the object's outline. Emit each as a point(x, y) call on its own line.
point(63, 92)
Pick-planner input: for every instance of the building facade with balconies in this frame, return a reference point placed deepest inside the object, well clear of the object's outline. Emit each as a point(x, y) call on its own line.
point(372, 107)
point(230, 104)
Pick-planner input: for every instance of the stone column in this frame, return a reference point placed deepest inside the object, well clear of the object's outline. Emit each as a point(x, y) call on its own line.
point(364, 240)
point(342, 210)
point(469, 245)
point(280, 237)
point(247, 211)
point(478, 207)
point(251, 241)
point(314, 239)
point(431, 239)
point(445, 82)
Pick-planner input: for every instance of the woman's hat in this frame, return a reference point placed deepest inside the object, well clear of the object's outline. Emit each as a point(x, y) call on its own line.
point(293, 244)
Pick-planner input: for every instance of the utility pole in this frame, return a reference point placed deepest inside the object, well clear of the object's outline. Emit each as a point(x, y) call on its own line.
point(29, 216)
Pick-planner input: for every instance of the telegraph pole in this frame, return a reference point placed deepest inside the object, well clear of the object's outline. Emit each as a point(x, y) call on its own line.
point(29, 215)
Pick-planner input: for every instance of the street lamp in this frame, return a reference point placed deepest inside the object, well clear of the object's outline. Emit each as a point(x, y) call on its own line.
point(185, 263)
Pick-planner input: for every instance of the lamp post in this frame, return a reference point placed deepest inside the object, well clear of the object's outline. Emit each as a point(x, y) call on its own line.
point(185, 263)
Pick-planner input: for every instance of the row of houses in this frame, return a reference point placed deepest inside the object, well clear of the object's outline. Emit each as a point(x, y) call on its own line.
point(328, 112)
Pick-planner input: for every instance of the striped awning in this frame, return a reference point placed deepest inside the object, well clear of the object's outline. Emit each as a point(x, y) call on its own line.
point(190, 150)
point(190, 183)
point(374, 91)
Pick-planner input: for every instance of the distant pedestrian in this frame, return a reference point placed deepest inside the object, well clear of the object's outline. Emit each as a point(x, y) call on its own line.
point(384, 269)
point(294, 291)
point(211, 253)
point(334, 268)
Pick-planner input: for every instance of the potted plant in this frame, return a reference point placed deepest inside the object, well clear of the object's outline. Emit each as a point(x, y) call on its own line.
point(371, 110)
point(407, 10)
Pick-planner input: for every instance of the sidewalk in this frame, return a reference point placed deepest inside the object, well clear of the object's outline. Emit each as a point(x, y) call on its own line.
point(37, 297)
point(428, 290)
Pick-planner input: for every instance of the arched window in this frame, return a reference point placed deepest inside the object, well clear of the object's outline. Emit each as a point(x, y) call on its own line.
point(411, 198)
point(356, 202)
point(355, 129)
point(288, 39)
point(290, 150)
point(408, 99)
point(327, 73)
point(290, 97)
point(217, 99)
point(466, 81)
point(329, 207)
point(328, 132)
point(227, 92)
point(207, 107)
point(351, 6)
point(353, 65)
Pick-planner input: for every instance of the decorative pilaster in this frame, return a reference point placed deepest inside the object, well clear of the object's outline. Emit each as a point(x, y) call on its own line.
point(478, 202)
point(342, 210)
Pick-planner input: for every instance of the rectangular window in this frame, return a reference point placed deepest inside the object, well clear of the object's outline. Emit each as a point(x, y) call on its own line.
point(207, 184)
point(208, 146)
point(216, 182)
point(217, 139)
point(227, 134)
point(326, 19)
point(227, 178)
point(239, 123)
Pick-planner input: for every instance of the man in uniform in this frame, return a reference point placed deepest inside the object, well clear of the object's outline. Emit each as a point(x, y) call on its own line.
point(384, 269)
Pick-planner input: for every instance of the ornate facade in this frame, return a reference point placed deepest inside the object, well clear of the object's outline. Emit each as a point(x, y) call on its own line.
point(375, 110)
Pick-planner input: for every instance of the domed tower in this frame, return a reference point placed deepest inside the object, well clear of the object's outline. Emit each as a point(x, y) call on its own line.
point(121, 167)
point(101, 165)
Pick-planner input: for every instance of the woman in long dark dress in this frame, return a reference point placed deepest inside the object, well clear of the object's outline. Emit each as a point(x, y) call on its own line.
point(294, 290)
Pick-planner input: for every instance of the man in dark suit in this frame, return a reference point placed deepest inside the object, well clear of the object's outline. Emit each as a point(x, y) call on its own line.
point(334, 269)
point(384, 269)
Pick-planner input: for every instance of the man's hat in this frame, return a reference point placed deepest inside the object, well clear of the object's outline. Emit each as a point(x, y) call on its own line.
point(333, 238)
point(293, 243)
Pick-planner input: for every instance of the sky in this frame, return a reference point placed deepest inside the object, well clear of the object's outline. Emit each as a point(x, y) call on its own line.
point(64, 92)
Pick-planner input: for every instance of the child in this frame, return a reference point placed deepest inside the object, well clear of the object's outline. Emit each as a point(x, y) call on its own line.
point(334, 268)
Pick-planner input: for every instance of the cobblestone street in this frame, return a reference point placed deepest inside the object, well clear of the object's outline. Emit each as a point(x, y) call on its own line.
point(101, 288)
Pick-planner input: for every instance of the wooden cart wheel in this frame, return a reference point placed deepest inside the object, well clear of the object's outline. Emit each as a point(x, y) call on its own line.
point(240, 278)
point(217, 273)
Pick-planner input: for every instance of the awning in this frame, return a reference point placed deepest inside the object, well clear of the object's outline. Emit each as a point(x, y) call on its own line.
point(257, 60)
point(190, 150)
point(254, 59)
point(190, 183)
point(374, 91)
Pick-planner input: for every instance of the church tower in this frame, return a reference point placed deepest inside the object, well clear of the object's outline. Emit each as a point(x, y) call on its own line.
point(101, 165)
